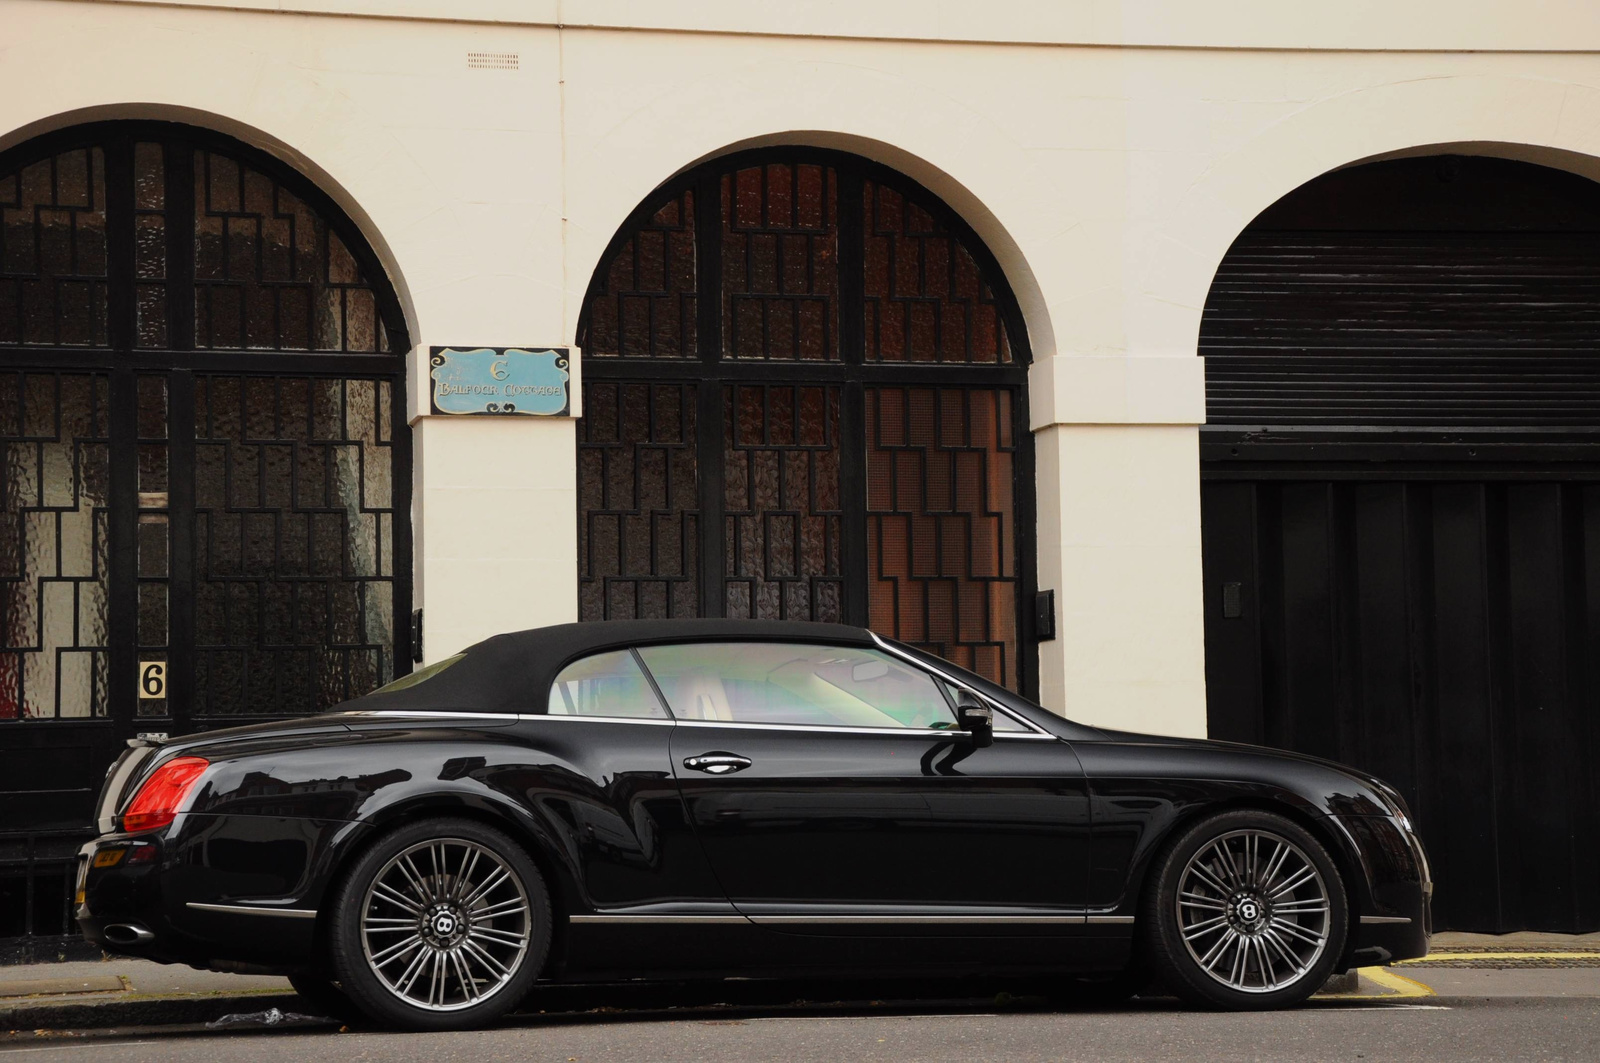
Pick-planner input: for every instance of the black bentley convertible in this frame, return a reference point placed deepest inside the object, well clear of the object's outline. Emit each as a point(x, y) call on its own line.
point(706, 798)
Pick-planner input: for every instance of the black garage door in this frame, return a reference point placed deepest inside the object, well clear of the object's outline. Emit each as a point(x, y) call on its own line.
point(1401, 511)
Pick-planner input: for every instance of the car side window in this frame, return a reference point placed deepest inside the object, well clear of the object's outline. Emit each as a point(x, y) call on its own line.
point(606, 684)
point(796, 683)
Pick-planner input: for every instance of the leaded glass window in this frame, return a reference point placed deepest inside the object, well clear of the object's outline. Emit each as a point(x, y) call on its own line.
point(804, 399)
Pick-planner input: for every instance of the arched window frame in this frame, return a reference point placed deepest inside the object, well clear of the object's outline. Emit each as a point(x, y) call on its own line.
point(117, 138)
point(851, 371)
point(123, 361)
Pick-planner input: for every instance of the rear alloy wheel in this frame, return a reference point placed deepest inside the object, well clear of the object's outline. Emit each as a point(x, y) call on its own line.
point(442, 925)
point(1248, 911)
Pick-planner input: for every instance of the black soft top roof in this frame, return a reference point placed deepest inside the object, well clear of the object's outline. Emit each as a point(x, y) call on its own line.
point(512, 673)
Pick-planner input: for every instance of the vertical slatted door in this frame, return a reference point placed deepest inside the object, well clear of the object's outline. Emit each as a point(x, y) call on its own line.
point(1401, 473)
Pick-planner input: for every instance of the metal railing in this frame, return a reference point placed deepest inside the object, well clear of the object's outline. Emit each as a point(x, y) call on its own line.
point(37, 870)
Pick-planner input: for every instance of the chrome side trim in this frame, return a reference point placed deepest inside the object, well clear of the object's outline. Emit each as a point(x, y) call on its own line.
point(252, 909)
point(1110, 920)
point(596, 719)
point(915, 732)
point(916, 919)
point(652, 721)
point(427, 714)
point(647, 918)
point(1369, 920)
point(430, 714)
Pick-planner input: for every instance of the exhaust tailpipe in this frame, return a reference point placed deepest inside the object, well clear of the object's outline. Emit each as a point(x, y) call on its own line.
point(127, 934)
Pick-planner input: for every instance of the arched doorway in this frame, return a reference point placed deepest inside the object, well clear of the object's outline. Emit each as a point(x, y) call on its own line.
point(206, 463)
point(1401, 511)
point(804, 398)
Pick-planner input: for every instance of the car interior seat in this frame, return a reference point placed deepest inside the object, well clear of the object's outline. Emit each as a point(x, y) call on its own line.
point(700, 695)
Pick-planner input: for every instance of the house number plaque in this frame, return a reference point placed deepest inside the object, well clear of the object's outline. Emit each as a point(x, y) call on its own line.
point(152, 679)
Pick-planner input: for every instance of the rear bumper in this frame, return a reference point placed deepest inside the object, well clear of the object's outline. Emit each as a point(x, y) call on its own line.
point(163, 896)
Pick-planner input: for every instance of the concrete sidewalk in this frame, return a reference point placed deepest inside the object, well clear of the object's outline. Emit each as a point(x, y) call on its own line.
point(121, 991)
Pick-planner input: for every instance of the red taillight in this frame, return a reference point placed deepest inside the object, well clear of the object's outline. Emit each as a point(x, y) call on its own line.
point(157, 802)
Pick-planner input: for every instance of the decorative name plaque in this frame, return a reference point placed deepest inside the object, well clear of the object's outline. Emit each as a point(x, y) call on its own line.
point(501, 380)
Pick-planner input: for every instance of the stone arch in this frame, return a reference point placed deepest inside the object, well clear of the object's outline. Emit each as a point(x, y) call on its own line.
point(1536, 120)
point(992, 182)
point(340, 150)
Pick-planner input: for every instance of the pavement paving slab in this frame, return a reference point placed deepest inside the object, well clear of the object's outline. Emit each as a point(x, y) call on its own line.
point(124, 975)
point(29, 987)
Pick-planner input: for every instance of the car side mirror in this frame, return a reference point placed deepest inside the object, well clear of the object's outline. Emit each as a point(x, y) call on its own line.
point(975, 718)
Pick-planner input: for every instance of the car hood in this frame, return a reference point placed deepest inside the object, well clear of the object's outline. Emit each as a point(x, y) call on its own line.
point(1391, 799)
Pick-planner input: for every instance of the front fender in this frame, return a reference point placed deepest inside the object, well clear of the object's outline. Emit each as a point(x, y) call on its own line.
point(1143, 793)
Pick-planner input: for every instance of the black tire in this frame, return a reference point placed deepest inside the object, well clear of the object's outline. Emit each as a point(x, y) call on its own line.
point(445, 910)
point(322, 997)
point(1241, 906)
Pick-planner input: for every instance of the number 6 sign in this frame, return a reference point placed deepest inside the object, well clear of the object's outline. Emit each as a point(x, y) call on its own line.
point(152, 679)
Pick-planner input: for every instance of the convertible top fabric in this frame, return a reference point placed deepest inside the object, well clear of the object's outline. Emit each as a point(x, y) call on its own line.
point(512, 673)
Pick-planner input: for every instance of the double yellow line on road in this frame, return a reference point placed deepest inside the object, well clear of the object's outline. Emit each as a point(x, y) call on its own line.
point(1437, 957)
point(1400, 985)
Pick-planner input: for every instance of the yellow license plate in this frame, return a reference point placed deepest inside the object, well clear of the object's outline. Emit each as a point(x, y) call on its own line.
point(108, 857)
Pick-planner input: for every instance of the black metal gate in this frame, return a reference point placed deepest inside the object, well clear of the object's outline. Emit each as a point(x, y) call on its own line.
point(204, 493)
point(804, 398)
point(1401, 512)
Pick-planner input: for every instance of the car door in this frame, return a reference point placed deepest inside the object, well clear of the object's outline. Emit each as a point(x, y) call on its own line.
point(599, 775)
point(832, 790)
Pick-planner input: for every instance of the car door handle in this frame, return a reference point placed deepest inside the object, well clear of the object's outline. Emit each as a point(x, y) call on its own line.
point(718, 763)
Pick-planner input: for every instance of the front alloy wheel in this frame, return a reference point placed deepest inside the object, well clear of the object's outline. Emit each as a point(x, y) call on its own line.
point(1253, 910)
point(441, 925)
point(1249, 912)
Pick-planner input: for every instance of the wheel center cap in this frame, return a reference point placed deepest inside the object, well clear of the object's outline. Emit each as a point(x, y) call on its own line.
point(442, 924)
point(1247, 912)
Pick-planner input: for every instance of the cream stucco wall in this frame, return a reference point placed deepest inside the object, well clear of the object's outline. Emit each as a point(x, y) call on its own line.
point(1108, 152)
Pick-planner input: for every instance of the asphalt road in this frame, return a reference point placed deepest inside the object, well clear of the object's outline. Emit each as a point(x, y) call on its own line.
point(1453, 1028)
